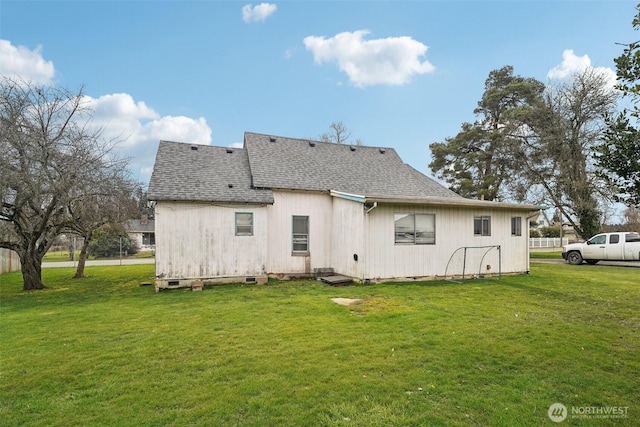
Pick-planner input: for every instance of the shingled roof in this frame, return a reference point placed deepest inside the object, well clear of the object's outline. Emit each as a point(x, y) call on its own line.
point(300, 164)
point(188, 172)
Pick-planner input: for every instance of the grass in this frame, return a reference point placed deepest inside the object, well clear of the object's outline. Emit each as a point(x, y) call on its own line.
point(105, 351)
point(545, 254)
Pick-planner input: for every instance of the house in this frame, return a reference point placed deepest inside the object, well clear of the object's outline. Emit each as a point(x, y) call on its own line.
point(142, 233)
point(295, 207)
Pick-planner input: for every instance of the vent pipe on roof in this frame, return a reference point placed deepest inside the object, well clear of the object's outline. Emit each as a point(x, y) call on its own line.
point(230, 185)
point(272, 138)
point(229, 150)
point(312, 143)
point(352, 147)
point(382, 151)
point(194, 147)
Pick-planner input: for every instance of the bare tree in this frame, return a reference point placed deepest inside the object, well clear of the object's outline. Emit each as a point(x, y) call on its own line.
point(48, 154)
point(554, 149)
point(338, 133)
point(108, 200)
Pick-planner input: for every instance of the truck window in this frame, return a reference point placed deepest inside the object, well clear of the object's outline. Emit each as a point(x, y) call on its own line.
point(600, 239)
point(614, 238)
point(632, 237)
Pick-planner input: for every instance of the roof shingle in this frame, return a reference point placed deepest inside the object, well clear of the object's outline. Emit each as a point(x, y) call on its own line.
point(289, 163)
point(188, 172)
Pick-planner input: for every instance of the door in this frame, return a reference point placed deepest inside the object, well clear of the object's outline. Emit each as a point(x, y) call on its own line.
point(596, 247)
point(615, 247)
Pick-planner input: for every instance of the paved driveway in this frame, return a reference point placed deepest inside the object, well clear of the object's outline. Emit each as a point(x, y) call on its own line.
point(128, 261)
point(635, 264)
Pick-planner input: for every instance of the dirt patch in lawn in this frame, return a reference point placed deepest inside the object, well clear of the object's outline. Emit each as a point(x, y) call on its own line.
point(346, 301)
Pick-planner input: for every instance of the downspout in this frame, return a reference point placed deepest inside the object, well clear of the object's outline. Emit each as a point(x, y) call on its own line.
point(365, 237)
point(531, 215)
point(375, 205)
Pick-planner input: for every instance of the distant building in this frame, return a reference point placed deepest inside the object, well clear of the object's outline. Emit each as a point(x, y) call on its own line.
point(142, 232)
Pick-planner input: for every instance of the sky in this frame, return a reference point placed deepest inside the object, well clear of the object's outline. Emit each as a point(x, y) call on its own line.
point(399, 74)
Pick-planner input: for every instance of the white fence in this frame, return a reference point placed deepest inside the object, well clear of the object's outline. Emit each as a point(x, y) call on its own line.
point(9, 261)
point(547, 242)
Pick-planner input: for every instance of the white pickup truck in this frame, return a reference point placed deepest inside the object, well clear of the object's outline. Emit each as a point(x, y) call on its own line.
point(604, 247)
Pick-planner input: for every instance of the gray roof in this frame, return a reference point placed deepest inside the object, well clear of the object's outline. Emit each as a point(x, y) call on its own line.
point(138, 226)
point(288, 163)
point(189, 172)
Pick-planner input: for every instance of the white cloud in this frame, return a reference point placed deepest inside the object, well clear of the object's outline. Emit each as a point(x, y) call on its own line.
point(391, 61)
point(138, 128)
point(21, 62)
point(135, 126)
point(257, 13)
point(572, 64)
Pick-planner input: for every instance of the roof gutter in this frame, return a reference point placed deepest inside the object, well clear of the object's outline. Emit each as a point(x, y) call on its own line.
point(348, 196)
point(453, 202)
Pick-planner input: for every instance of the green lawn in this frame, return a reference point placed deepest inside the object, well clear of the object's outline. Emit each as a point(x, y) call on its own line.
point(105, 351)
point(546, 255)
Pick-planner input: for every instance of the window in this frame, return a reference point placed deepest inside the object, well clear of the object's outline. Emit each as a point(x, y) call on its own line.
point(148, 238)
point(300, 234)
point(516, 226)
point(482, 226)
point(415, 229)
point(244, 224)
point(614, 238)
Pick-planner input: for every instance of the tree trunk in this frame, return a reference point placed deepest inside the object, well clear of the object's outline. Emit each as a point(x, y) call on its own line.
point(82, 258)
point(31, 272)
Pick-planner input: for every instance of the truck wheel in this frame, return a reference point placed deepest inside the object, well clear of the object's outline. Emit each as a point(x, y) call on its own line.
point(574, 258)
point(592, 261)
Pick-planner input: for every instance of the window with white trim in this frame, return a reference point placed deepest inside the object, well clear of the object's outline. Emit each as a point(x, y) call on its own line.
point(300, 234)
point(244, 224)
point(482, 225)
point(516, 226)
point(415, 229)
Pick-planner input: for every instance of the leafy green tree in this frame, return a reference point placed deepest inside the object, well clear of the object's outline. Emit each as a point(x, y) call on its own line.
point(111, 240)
point(533, 143)
point(551, 231)
point(618, 157)
point(478, 160)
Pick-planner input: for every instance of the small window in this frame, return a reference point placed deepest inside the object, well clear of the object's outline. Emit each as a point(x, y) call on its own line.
point(614, 238)
point(300, 234)
point(516, 226)
point(244, 224)
point(482, 226)
point(148, 238)
point(415, 229)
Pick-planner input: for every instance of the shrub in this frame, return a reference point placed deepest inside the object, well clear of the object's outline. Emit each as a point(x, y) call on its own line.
point(553, 231)
point(111, 240)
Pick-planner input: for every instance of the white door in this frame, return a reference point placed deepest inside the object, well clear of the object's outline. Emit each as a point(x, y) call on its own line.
point(596, 247)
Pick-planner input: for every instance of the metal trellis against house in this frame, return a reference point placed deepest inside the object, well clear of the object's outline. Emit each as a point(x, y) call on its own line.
point(474, 262)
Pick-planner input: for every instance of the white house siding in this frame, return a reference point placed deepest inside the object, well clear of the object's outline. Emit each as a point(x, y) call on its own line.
point(318, 207)
point(198, 241)
point(348, 238)
point(454, 229)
